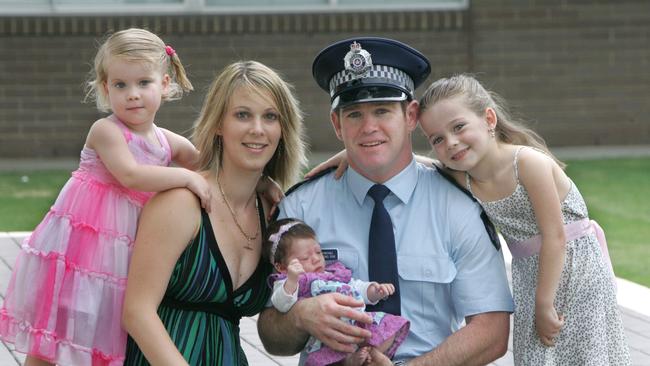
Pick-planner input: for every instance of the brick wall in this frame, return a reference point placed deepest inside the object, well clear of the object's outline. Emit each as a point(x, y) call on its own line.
point(579, 71)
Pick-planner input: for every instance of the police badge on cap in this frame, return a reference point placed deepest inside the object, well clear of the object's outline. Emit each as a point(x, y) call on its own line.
point(369, 69)
point(358, 60)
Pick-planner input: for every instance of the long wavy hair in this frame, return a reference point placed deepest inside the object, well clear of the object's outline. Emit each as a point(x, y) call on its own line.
point(289, 158)
point(508, 130)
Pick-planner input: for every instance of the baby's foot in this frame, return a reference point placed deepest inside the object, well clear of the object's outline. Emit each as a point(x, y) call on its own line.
point(357, 358)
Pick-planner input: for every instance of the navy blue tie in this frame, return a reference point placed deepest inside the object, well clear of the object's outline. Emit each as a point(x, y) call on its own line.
point(382, 255)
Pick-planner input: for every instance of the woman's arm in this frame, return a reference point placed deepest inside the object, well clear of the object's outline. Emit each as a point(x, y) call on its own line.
point(536, 174)
point(167, 224)
point(108, 142)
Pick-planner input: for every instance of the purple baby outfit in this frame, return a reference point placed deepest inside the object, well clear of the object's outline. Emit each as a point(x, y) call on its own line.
point(337, 278)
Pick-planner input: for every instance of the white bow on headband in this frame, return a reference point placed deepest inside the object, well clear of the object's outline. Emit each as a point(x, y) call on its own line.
point(275, 238)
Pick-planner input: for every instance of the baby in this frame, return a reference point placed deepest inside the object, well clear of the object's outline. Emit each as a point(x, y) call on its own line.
point(295, 253)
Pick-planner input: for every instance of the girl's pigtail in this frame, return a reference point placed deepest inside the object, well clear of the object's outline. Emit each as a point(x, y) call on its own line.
point(178, 72)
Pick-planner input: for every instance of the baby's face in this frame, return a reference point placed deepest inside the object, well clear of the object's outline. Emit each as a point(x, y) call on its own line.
point(307, 251)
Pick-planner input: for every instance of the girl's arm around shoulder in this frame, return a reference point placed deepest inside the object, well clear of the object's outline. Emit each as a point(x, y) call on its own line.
point(106, 138)
point(183, 152)
point(167, 224)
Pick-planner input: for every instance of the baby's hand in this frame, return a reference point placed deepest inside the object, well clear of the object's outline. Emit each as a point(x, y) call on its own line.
point(201, 188)
point(548, 324)
point(294, 269)
point(380, 291)
point(340, 160)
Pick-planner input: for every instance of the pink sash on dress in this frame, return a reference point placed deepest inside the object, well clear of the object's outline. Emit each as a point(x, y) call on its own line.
point(572, 231)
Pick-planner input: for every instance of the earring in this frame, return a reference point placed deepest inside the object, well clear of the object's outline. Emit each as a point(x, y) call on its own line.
point(492, 132)
point(278, 149)
point(217, 145)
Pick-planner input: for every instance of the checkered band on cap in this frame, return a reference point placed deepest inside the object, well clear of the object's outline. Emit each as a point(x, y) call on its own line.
point(397, 76)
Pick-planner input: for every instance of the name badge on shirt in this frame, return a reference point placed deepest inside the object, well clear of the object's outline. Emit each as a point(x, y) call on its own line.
point(330, 254)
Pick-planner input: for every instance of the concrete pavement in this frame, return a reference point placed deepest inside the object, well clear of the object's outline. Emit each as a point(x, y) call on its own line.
point(634, 303)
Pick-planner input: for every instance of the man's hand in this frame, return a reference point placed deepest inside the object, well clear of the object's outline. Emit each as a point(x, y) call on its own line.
point(321, 316)
point(340, 161)
point(271, 192)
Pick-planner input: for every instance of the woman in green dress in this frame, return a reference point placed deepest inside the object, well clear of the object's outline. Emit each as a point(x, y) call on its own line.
point(193, 273)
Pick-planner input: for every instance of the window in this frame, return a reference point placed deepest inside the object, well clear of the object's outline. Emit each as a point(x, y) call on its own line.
point(179, 7)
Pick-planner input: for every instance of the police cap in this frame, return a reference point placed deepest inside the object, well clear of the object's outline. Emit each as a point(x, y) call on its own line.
point(369, 69)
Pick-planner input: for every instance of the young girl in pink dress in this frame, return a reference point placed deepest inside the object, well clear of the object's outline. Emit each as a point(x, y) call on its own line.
point(64, 300)
point(302, 272)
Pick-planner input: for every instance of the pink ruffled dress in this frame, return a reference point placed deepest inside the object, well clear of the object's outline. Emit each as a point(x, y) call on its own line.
point(64, 300)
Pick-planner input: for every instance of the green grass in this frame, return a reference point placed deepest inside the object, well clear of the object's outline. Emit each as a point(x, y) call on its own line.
point(617, 192)
point(25, 197)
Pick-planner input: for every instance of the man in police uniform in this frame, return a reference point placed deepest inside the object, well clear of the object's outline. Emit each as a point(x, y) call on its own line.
point(448, 271)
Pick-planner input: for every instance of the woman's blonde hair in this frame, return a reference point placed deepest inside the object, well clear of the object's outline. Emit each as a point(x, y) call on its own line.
point(478, 99)
point(289, 157)
point(136, 45)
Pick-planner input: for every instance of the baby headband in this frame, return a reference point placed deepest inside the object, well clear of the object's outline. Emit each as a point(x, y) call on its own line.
point(275, 238)
point(170, 51)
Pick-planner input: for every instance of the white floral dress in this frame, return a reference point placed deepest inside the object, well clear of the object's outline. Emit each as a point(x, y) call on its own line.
point(593, 332)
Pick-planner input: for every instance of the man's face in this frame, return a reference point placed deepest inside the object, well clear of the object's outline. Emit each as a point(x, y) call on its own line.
point(377, 137)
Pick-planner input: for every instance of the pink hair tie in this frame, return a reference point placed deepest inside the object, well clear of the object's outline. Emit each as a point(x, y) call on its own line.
point(170, 51)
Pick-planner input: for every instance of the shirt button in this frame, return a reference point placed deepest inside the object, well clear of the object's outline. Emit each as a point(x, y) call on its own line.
point(428, 273)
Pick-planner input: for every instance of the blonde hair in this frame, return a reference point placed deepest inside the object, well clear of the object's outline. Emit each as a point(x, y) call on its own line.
point(136, 45)
point(289, 157)
point(508, 130)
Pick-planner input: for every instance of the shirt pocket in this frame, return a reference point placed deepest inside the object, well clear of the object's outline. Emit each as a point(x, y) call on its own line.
point(425, 289)
point(349, 258)
point(433, 269)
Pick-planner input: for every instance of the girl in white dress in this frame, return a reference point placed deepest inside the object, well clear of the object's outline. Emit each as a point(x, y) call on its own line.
point(565, 297)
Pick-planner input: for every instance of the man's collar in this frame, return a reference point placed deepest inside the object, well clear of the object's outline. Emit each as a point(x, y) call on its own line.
point(401, 185)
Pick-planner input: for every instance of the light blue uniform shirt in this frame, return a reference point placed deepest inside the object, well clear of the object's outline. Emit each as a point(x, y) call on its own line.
point(448, 268)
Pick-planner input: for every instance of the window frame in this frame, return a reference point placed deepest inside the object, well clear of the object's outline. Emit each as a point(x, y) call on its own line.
point(198, 7)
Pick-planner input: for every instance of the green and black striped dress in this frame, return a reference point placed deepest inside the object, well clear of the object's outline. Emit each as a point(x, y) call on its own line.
point(200, 309)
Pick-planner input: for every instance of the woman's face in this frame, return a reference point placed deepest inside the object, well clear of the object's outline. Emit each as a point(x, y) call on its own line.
point(251, 129)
